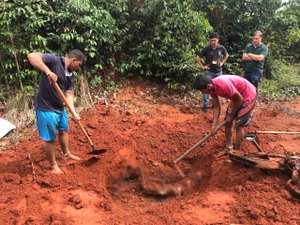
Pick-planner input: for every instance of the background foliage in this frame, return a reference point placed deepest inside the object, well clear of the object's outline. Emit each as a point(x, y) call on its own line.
point(152, 38)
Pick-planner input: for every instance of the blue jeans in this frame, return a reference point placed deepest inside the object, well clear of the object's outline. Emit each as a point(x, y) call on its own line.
point(253, 77)
point(209, 75)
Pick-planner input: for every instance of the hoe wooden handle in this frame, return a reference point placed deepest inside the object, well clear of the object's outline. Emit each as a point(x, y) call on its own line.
point(201, 141)
point(277, 132)
point(62, 95)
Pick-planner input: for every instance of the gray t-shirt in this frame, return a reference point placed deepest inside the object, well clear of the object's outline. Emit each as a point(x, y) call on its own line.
point(47, 98)
point(213, 57)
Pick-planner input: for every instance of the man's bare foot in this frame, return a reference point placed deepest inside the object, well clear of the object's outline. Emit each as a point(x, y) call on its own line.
point(71, 156)
point(222, 153)
point(55, 169)
point(227, 149)
point(74, 157)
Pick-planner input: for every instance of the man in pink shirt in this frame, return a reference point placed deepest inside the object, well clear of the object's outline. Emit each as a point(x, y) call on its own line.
point(243, 97)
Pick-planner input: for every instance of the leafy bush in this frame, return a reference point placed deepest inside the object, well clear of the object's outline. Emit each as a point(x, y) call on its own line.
point(165, 36)
point(152, 38)
point(284, 84)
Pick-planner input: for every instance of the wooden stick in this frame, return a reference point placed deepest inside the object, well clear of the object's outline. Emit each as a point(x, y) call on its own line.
point(201, 141)
point(33, 170)
point(61, 94)
point(276, 132)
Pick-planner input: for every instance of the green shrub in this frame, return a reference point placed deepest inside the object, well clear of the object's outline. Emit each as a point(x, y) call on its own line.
point(165, 37)
point(285, 82)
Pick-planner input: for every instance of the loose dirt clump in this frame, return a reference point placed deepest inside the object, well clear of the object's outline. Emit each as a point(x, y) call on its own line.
point(131, 182)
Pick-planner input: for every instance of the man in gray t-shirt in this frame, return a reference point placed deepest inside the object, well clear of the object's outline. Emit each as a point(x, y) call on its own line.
point(51, 116)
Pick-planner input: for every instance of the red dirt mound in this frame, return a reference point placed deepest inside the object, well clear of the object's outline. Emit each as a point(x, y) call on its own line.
point(141, 132)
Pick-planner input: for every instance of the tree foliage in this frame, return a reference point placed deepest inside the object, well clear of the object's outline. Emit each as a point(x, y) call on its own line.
point(20, 25)
point(290, 18)
point(164, 37)
point(145, 37)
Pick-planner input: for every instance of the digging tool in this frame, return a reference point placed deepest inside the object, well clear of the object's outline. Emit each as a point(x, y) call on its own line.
point(276, 132)
point(33, 170)
point(200, 142)
point(254, 139)
point(94, 150)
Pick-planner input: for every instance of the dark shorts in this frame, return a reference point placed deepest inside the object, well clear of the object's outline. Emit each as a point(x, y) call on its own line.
point(244, 116)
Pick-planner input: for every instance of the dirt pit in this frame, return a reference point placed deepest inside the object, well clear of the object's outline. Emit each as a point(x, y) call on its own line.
point(141, 131)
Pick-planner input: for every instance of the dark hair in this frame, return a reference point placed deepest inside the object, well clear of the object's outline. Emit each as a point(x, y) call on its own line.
point(77, 54)
point(201, 82)
point(213, 35)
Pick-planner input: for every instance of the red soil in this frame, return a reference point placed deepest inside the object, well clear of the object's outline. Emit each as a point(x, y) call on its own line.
point(137, 130)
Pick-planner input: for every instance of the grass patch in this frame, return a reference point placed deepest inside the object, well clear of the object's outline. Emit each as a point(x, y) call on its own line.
point(284, 84)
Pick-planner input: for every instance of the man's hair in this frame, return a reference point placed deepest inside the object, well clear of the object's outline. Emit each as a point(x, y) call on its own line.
point(201, 82)
point(258, 32)
point(213, 35)
point(77, 54)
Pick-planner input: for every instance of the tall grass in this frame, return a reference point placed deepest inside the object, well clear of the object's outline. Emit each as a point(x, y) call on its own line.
point(284, 84)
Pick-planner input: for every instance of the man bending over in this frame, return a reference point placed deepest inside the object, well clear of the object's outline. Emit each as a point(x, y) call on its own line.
point(242, 95)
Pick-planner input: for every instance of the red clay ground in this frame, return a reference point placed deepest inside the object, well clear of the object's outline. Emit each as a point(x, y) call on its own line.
point(138, 130)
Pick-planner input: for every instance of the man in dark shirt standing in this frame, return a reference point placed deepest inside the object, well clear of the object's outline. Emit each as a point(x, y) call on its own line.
point(51, 115)
point(215, 56)
point(254, 57)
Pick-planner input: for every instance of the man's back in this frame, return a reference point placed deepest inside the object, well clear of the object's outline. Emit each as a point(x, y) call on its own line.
point(227, 85)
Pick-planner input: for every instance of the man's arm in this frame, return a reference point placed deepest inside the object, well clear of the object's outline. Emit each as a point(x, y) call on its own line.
point(235, 104)
point(202, 67)
point(246, 57)
point(224, 59)
point(70, 99)
point(216, 111)
point(36, 60)
point(254, 57)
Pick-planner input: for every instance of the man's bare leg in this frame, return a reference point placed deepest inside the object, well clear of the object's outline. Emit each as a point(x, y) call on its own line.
point(228, 135)
point(63, 138)
point(240, 132)
point(50, 154)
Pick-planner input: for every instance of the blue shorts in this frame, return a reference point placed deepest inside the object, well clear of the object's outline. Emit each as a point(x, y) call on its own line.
point(49, 122)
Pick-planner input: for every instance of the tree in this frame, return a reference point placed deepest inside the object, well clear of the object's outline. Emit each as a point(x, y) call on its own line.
point(20, 25)
point(165, 35)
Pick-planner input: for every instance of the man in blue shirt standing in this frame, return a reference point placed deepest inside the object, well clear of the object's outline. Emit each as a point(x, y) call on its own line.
point(51, 115)
point(254, 58)
point(215, 55)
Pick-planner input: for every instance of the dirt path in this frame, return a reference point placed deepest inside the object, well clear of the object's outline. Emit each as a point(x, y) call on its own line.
point(138, 131)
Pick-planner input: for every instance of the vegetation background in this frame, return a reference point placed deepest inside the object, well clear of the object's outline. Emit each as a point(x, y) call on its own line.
point(153, 39)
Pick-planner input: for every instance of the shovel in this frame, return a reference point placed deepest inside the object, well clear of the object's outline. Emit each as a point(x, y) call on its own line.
point(253, 138)
point(94, 150)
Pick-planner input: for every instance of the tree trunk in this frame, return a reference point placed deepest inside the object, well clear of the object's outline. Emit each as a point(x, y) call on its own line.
point(85, 96)
point(17, 64)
